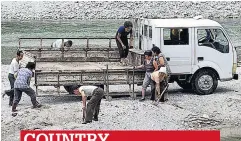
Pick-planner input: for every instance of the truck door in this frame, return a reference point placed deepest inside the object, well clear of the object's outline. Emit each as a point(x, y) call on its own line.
point(176, 44)
point(213, 50)
point(145, 37)
point(138, 34)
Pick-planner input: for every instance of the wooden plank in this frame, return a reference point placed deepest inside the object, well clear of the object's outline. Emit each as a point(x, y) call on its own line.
point(73, 95)
point(114, 77)
point(80, 51)
point(89, 72)
point(63, 83)
point(67, 38)
point(77, 59)
point(74, 47)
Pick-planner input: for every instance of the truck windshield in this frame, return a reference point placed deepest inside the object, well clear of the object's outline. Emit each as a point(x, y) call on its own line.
point(213, 38)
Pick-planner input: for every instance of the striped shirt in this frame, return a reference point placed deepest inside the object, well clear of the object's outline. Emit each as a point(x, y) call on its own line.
point(23, 78)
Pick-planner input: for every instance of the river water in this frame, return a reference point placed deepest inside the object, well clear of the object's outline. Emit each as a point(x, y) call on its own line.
point(12, 30)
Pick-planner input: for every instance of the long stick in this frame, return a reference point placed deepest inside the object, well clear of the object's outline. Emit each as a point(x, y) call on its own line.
point(84, 99)
point(158, 99)
point(84, 114)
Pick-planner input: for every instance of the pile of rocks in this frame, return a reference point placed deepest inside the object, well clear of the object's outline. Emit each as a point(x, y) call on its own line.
point(30, 10)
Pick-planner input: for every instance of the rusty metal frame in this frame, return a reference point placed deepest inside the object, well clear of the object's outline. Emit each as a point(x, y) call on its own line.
point(106, 73)
point(80, 38)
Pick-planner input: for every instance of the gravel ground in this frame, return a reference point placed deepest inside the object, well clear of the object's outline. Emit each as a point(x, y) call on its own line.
point(22, 10)
point(183, 110)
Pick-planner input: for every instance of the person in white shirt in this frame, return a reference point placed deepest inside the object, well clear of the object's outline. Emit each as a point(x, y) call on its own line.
point(58, 43)
point(13, 68)
point(93, 106)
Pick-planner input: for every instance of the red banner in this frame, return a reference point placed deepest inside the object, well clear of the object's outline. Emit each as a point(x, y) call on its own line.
point(118, 135)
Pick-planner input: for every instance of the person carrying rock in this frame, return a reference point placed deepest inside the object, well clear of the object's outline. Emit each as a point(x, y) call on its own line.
point(149, 67)
point(22, 84)
point(122, 41)
point(13, 68)
point(90, 112)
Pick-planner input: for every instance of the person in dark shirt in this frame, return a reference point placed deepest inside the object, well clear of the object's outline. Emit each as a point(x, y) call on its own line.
point(122, 41)
point(149, 67)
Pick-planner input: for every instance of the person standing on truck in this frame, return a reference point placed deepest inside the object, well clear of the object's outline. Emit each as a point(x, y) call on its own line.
point(149, 67)
point(122, 41)
point(159, 77)
point(13, 68)
point(22, 84)
point(58, 43)
point(90, 112)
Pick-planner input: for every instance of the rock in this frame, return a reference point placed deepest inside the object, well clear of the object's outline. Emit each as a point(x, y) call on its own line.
point(14, 114)
point(205, 116)
point(116, 9)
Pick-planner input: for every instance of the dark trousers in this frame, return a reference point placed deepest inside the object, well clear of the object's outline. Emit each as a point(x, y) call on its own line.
point(29, 91)
point(163, 85)
point(93, 106)
point(123, 52)
point(11, 79)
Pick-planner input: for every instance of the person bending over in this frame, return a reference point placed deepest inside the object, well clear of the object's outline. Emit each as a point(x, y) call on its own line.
point(58, 43)
point(90, 112)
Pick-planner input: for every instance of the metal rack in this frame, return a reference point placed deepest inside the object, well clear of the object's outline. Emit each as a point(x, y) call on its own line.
point(106, 76)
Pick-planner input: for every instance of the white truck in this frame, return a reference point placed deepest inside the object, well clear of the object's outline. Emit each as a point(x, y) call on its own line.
point(199, 52)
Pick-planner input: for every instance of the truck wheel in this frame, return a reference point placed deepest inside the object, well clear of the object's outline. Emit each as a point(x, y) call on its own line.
point(184, 84)
point(205, 82)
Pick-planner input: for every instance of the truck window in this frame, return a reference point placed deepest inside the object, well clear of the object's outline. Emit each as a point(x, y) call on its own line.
point(213, 38)
point(145, 30)
point(150, 32)
point(176, 36)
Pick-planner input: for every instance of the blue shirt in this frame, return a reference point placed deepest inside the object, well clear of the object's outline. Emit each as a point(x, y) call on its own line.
point(23, 78)
point(123, 33)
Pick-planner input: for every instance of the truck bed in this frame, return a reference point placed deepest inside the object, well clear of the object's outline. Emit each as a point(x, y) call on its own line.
point(68, 73)
point(80, 66)
point(83, 66)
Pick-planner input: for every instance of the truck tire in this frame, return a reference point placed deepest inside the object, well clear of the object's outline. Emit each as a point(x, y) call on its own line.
point(205, 82)
point(184, 84)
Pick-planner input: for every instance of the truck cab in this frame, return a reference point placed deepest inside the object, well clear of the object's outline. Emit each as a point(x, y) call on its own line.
point(199, 52)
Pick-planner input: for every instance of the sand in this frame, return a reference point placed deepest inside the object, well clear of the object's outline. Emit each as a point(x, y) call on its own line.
point(183, 110)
